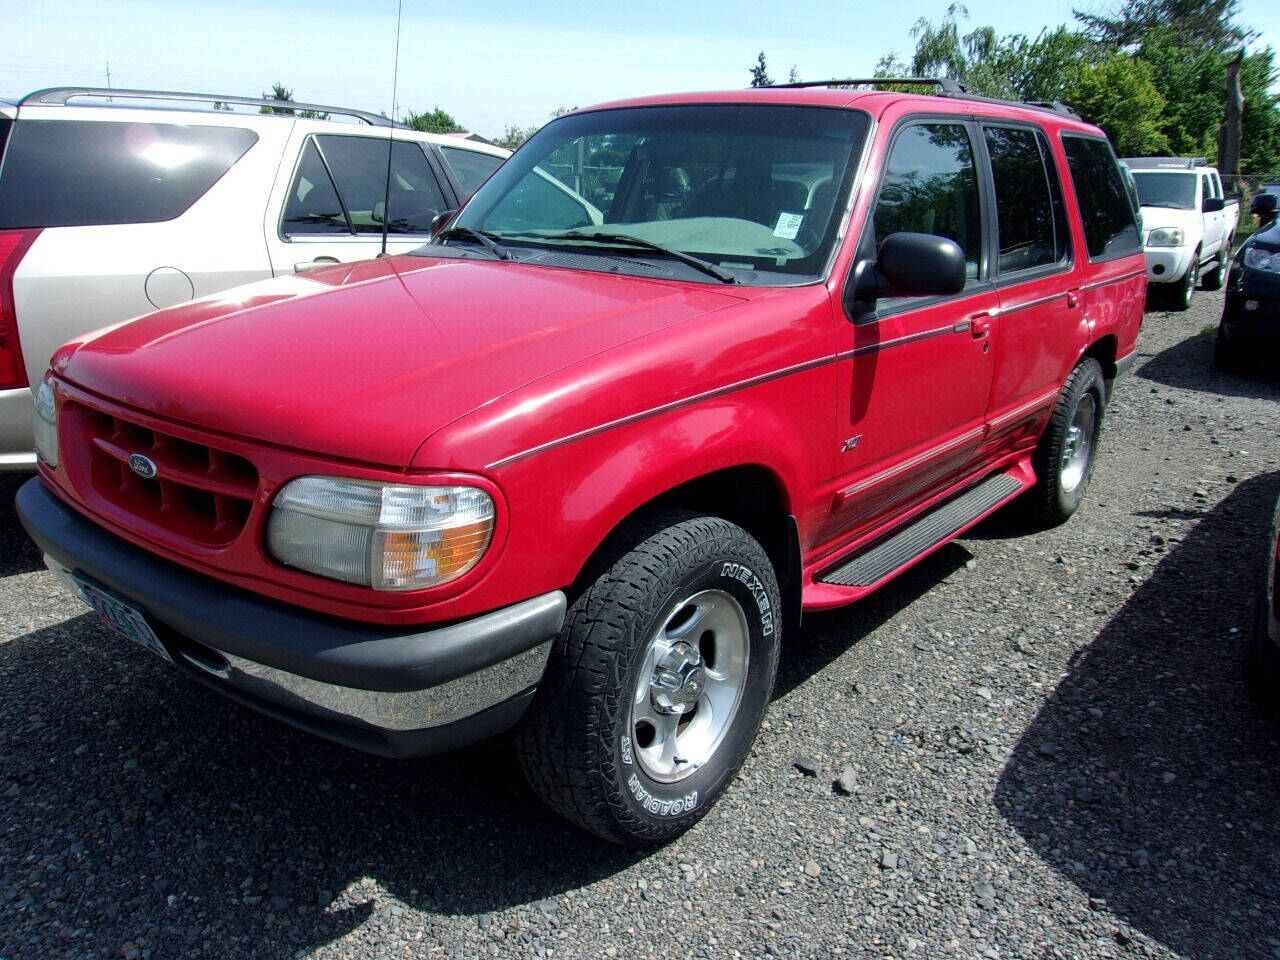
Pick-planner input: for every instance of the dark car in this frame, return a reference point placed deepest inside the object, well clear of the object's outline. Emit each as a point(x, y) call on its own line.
point(1264, 652)
point(1250, 327)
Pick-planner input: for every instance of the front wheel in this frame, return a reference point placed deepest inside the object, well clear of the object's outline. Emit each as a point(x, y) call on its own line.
point(1186, 289)
point(658, 682)
point(1065, 455)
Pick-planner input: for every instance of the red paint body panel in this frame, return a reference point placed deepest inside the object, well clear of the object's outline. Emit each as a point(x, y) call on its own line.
point(577, 397)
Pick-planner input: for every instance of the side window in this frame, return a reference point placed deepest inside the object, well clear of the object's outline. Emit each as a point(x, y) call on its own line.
point(471, 167)
point(359, 167)
point(931, 186)
point(1217, 185)
point(1029, 218)
point(1206, 188)
point(1110, 229)
point(312, 205)
point(60, 173)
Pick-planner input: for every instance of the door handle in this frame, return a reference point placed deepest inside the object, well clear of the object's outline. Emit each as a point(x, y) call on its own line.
point(1073, 299)
point(980, 325)
point(306, 265)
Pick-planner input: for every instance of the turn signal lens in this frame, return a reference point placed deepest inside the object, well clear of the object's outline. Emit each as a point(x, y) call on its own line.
point(381, 535)
point(45, 424)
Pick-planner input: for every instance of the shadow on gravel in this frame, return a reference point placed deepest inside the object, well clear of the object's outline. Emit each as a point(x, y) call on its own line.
point(1147, 778)
point(17, 553)
point(1189, 365)
point(826, 636)
point(123, 784)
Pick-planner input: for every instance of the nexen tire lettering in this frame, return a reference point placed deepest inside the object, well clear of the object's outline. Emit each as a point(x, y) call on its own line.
point(661, 808)
point(747, 577)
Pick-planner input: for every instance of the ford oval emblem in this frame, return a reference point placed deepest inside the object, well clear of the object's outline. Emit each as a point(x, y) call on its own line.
point(144, 467)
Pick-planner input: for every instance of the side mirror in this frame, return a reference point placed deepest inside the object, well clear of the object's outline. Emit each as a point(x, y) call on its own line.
point(1264, 204)
point(440, 219)
point(909, 265)
point(1212, 204)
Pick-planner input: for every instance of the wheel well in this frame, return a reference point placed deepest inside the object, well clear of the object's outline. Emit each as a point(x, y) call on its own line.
point(1104, 351)
point(750, 496)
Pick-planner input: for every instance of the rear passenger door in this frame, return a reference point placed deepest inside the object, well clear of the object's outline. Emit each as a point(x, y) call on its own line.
point(1039, 315)
point(1214, 223)
point(915, 373)
point(336, 200)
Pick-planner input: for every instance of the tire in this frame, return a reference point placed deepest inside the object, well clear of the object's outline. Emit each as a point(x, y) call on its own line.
point(1261, 671)
point(1225, 357)
point(596, 744)
point(1064, 458)
point(1185, 291)
point(1214, 279)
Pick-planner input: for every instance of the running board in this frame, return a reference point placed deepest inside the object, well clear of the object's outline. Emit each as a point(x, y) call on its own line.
point(924, 534)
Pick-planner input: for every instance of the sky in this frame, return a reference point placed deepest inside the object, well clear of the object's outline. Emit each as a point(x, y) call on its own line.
point(489, 64)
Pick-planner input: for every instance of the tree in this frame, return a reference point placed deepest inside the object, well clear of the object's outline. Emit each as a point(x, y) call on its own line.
point(1119, 94)
point(760, 73)
point(513, 136)
point(1202, 24)
point(792, 75)
point(432, 121)
point(280, 92)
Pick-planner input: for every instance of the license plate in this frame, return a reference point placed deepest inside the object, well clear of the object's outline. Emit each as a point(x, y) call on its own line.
point(121, 617)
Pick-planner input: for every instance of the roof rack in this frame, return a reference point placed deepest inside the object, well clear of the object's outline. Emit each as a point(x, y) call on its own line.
point(1165, 163)
point(59, 96)
point(944, 84)
point(946, 88)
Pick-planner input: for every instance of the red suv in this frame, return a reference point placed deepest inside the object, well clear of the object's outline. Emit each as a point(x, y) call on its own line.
point(682, 369)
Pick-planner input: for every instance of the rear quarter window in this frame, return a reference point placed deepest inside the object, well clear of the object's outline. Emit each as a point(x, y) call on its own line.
point(1110, 229)
point(59, 173)
point(471, 167)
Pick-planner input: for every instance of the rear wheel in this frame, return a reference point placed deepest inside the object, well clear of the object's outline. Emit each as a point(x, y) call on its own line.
point(658, 682)
point(1065, 455)
point(1213, 280)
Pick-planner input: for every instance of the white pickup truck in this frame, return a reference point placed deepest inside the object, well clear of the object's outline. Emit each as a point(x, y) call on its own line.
point(1188, 222)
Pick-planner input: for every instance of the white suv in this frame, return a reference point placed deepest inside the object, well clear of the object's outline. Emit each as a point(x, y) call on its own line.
point(115, 203)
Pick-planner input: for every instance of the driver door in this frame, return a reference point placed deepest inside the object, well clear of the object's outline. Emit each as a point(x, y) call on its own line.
point(329, 207)
point(915, 373)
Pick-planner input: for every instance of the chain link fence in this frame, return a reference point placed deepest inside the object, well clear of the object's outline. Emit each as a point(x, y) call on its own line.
point(1245, 187)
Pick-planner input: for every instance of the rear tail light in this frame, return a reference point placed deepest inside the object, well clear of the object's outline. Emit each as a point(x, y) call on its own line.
point(13, 246)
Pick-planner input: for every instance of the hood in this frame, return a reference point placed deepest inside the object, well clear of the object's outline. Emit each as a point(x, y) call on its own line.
point(1155, 217)
point(363, 362)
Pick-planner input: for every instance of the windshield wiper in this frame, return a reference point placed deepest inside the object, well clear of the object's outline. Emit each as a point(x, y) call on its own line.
point(453, 233)
point(622, 239)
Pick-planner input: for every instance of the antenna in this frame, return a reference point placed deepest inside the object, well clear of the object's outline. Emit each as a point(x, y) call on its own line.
point(391, 134)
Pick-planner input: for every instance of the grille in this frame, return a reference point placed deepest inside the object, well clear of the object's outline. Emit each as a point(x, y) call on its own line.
point(199, 493)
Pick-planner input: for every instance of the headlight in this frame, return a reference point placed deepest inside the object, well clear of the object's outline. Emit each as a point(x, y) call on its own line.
point(1260, 259)
point(1165, 237)
point(45, 423)
point(387, 536)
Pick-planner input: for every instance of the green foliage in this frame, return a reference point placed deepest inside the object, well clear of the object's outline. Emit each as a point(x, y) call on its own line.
point(760, 73)
point(432, 121)
point(1119, 94)
point(1208, 25)
point(513, 136)
point(1153, 76)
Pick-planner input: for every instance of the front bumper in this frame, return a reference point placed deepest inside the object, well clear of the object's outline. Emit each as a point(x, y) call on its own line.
point(377, 689)
point(1251, 319)
point(1168, 264)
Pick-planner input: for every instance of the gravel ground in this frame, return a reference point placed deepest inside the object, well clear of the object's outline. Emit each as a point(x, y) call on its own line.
point(1049, 745)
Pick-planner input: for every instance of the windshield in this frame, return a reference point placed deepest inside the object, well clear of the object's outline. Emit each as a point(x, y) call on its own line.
point(755, 189)
point(1177, 190)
